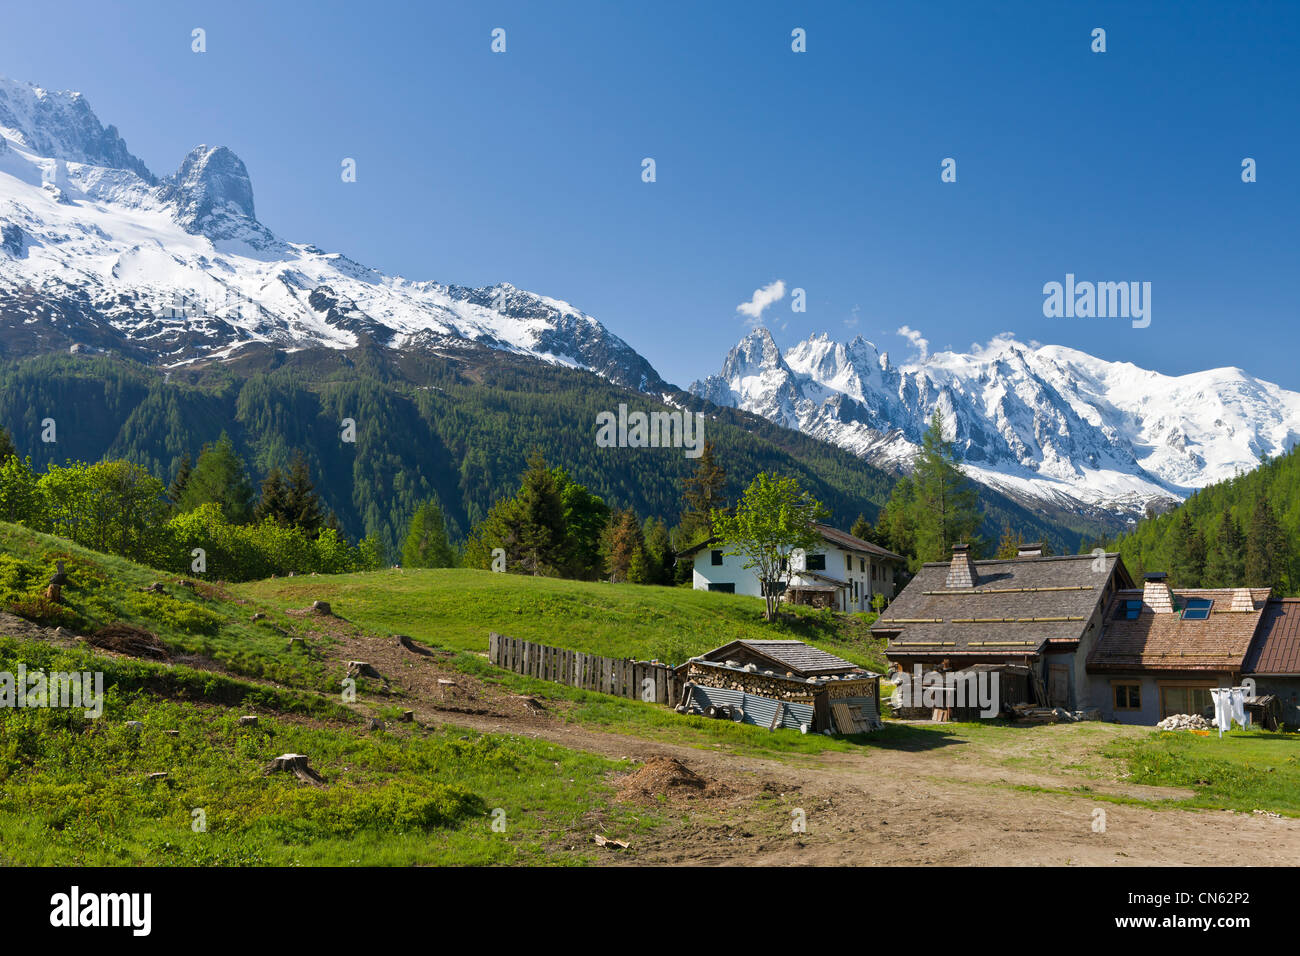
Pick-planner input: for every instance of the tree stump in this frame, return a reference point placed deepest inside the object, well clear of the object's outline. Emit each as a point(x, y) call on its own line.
point(413, 647)
point(248, 720)
point(322, 607)
point(297, 765)
point(408, 716)
point(259, 616)
point(136, 725)
point(297, 642)
point(361, 669)
point(374, 723)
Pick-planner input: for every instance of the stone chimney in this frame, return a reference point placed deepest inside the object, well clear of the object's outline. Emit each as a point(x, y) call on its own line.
point(1156, 594)
point(1033, 549)
point(961, 573)
point(1242, 600)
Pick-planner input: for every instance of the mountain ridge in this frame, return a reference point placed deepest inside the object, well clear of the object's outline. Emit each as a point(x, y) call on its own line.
point(1041, 423)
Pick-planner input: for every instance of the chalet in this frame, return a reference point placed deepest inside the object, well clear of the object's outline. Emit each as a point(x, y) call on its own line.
point(843, 573)
point(1273, 662)
point(781, 684)
point(1162, 649)
point(1040, 612)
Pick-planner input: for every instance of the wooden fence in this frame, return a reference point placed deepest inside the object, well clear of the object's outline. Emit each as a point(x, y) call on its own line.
point(638, 680)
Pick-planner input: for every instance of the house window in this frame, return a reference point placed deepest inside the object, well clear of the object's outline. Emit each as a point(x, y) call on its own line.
point(815, 562)
point(1128, 696)
point(862, 565)
point(848, 562)
point(717, 557)
point(724, 588)
point(1184, 699)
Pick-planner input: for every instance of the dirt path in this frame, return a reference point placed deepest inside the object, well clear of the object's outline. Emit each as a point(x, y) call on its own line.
point(953, 804)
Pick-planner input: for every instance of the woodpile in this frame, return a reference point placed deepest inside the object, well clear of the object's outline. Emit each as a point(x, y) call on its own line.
point(129, 639)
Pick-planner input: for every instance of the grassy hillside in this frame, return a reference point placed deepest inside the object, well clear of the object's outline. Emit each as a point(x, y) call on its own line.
point(456, 608)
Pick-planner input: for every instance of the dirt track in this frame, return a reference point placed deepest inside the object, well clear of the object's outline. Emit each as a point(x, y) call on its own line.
point(954, 804)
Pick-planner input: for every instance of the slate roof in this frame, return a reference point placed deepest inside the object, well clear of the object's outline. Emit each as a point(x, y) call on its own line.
point(1167, 642)
point(1017, 605)
point(849, 543)
point(1276, 649)
point(803, 659)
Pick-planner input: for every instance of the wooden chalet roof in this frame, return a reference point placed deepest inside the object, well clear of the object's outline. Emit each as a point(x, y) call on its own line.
point(1168, 642)
point(796, 656)
point(1016, 606)
point(1276, 649)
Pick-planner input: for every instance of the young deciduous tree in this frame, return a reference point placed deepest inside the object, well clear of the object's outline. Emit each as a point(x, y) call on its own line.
point(774, 518)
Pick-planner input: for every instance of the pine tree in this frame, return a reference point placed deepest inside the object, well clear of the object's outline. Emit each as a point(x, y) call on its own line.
point(536, 523)
point(220, 477)
point(1265, 549)
point(1186, 552)
point(7, 447)
point(426, 544)
point(1011, 542)
point(703, 493)
point(946, 503)
point(623, 548)
point(273, 503)
point(1225, 565)
point(862, 529)
point(183, 472)
point(301, 503)
point(658, 552)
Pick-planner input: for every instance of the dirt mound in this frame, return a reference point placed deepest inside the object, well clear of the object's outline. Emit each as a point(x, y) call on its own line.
point(662, 779)
point(131, 640)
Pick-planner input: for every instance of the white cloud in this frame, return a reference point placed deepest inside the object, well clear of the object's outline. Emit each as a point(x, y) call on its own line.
point(761, 299)
point(919, 342)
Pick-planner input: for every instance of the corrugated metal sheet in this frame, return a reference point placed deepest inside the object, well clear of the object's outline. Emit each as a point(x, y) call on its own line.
point(759, 711)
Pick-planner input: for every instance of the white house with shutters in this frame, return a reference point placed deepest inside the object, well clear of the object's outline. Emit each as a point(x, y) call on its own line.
point(843, 573)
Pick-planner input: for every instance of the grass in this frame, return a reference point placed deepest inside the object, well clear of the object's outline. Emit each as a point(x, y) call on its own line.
point(197, 618)
point(76, 790)
point(1247, 770)
point(455, 608)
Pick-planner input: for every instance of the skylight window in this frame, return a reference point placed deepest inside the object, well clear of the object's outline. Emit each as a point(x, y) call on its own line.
point(1197, 609)
point(1132, 609)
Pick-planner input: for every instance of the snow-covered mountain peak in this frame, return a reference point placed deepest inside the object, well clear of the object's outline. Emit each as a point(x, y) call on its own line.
point(1040, 422)
point(61, 125)
point(95, 251)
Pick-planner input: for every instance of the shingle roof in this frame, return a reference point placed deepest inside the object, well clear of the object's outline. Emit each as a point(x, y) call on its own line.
point(850, 543)
point(1276, 648)
point(1168, 642)
point(1017, 605)
point(803, 659)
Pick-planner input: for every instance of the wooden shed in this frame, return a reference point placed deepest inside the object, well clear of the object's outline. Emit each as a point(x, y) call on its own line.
point(782, 684)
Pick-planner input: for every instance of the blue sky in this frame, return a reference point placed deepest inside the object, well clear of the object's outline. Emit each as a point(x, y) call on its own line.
point(820, 169)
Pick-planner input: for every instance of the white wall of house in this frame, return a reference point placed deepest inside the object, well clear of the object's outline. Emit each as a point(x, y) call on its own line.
point(865, 574)
point(1103, 694)
point(712, 567)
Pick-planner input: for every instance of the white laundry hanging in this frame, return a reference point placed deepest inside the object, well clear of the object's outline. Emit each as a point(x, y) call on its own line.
point(1222, 697)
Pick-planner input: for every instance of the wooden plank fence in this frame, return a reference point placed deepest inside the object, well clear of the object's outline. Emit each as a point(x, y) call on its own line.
point(638, 680)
